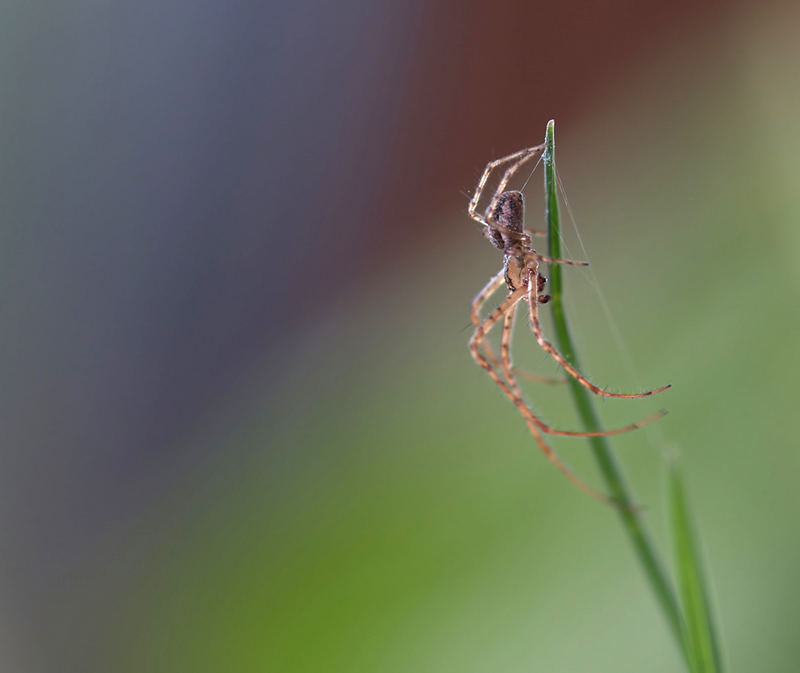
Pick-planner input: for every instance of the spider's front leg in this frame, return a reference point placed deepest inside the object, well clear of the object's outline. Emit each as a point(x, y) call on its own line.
point(533, 308)
point(508, 369)
point(481, 332)
point(481, 298)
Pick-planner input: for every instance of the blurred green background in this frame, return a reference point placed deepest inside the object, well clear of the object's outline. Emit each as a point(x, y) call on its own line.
point(243, 428)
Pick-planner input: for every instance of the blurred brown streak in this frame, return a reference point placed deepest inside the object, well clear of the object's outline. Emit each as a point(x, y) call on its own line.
point(486, 80)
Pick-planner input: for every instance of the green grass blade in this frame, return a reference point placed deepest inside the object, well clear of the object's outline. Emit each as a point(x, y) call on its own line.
point(601, 447)
point(703, 644)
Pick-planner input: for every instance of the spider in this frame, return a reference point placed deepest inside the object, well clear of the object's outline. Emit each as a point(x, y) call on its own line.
point(502, 223)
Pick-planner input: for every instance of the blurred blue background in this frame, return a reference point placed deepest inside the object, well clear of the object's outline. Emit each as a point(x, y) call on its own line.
point(241, 428)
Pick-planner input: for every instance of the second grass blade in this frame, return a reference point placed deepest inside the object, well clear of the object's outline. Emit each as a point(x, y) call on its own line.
point(704, 654)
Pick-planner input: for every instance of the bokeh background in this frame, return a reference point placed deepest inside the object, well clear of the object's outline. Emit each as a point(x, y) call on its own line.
point(240, 426)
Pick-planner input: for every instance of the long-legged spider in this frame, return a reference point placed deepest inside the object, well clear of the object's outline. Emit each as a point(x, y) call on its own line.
point(502, 223)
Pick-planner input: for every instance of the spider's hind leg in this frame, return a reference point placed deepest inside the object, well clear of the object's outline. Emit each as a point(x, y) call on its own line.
point(518, 158)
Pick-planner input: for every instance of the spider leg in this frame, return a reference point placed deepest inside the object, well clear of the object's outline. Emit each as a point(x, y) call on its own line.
point(509, 371)
point(488, 290)
point(538, 378)
point(513, 168)
point(481, 331)
point(473, 204)
point(505, 353)
point(533, 232)
point(477, 303)
point(519, 158)
point(552, 260)
point(533, 307)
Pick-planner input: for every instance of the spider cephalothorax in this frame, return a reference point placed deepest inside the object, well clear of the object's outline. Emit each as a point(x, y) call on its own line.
point(503, 222)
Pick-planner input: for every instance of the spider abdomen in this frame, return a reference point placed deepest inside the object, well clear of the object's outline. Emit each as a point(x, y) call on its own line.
point(509, 216)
